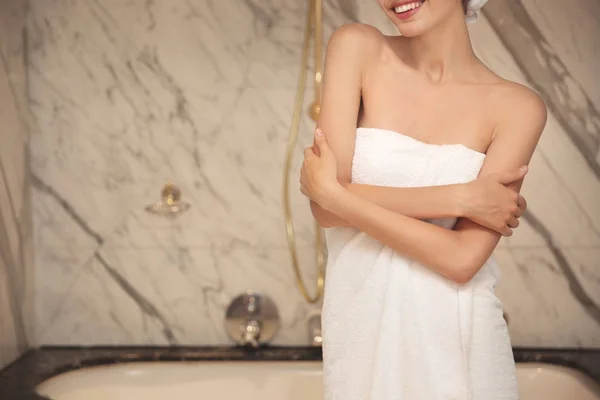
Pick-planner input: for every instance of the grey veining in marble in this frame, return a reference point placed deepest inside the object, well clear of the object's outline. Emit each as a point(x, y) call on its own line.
point(577, 289)
point(565, 96)
point(575, 108)
point(127, 95)
point(15, 217)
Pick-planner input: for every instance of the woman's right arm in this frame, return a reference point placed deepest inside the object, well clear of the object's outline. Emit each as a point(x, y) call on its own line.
point(349, 52)
point(486, 201)
point(414, 202)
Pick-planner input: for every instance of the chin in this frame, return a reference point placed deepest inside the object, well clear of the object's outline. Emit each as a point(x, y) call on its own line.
point(412, 29)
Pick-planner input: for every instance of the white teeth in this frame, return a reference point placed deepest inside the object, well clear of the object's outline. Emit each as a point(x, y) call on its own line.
point(407, 7)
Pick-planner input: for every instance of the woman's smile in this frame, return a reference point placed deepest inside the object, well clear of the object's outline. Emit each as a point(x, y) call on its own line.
point(407, 8)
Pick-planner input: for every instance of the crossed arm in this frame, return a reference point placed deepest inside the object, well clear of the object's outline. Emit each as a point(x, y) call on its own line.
point(414, 202)
point(488, 202)
point(456, 254)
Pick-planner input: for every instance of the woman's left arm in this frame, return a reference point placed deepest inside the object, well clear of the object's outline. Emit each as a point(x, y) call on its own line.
point(456, 254)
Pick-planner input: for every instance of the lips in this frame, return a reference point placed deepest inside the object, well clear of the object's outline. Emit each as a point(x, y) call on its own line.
point(406, 9)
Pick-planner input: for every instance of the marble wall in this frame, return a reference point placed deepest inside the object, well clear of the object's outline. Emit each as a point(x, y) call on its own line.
point(551, 287)
point(127, 95)
point(15, 216)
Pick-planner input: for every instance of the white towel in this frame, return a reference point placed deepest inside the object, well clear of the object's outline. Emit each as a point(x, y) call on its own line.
point(392, 328)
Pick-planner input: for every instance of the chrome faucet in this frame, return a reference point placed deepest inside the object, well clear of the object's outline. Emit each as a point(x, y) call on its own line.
point(251, 334)
point(252, 319)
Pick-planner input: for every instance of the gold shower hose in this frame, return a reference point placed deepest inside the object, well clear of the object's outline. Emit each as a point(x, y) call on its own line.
point(313, 20)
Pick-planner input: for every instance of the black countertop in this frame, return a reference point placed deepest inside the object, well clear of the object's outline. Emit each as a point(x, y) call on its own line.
point(18, 380)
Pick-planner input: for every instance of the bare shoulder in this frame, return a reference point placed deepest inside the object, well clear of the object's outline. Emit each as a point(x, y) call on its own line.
point(356, 38)
point(516, 104)
point(516, 98)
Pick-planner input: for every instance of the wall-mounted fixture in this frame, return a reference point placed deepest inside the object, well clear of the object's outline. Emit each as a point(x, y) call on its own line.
point(170, 204)
point(252, 319)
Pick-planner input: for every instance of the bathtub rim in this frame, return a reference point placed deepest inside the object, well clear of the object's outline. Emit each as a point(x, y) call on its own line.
point(19, 379)
point(122, 369)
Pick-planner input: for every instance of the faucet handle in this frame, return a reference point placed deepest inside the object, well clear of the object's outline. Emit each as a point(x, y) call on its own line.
point(252, 319)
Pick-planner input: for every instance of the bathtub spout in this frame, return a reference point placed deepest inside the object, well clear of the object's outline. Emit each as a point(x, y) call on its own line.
point(251, 334)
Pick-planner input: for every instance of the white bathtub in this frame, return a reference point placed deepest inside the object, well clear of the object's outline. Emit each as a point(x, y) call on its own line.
point(263, 381)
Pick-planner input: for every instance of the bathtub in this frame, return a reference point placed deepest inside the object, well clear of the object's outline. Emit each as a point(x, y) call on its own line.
point(263, 381)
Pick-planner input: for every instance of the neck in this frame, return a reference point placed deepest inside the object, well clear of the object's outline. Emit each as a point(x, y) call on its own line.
point(443, 52)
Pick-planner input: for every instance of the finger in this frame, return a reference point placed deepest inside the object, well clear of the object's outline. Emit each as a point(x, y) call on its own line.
point(308, 150)
point(309, 156)
point(315, 148)
point(302, 184)
point(321, 142)
point(513, 223)
point(512, 176)
point(522, 203)
point(506, 232)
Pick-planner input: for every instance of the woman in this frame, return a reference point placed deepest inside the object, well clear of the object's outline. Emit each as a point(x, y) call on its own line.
point(409, 310)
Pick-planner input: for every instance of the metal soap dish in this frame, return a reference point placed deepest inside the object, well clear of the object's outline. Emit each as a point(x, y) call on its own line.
point(170, 203)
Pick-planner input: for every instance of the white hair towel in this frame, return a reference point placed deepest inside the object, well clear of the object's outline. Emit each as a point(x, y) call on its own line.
point(473, 8)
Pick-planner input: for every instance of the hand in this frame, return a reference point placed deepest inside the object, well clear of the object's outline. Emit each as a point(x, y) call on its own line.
point(491, 204)
point(318, 177)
